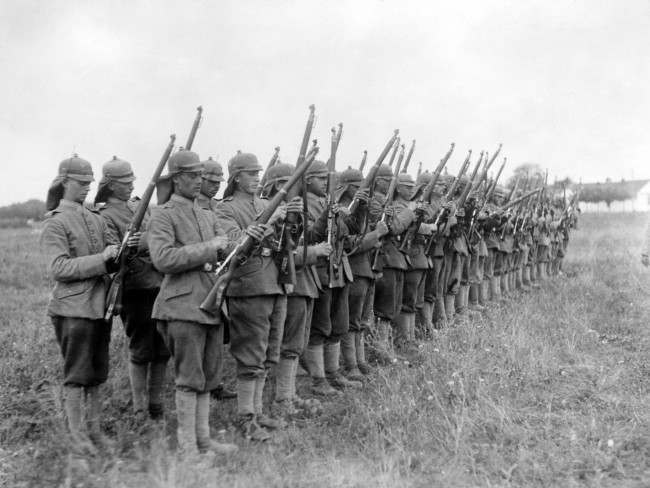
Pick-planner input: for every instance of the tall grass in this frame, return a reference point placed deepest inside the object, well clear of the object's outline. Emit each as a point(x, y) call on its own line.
point(548, 389)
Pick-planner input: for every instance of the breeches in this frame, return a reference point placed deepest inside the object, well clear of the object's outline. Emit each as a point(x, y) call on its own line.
point(358, 295)
point(331, 316)
point(476, 268)
point(197, 353)
point(435, 280)
point(413, 294)
point(299, 312)
point(453, 272)
point(146, 345)
point(388, 293)
point(256, 329)
point(84, 347)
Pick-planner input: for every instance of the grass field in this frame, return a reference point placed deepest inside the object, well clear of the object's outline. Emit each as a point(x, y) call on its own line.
point(552, 389)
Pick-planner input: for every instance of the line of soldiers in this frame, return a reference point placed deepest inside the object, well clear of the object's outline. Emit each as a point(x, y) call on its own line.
point(376, 268)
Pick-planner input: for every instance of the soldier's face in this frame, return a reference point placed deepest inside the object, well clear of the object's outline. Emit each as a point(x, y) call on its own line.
point(210, 188)
point(188, 184)
point(248, 181)
point(75, 191)
point(121, 191)
point(317, 185)
point(381, 185)
point(404, 191)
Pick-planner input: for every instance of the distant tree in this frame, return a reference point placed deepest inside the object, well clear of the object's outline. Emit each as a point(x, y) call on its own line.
point(525, 170)
point(22, 212)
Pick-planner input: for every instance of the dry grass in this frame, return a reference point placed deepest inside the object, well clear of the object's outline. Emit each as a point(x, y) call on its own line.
point(551, 390)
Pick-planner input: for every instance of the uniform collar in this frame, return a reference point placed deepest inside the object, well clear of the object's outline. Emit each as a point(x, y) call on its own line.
point(203, 201)
point(70, 205)
point(242, 195)
point(180, 200)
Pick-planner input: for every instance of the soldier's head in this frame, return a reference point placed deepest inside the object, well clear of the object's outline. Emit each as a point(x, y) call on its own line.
point(405, 184)
point(316, 178)
point(117, 181)
point(349, 181)
point(276, 177)
point(420, 183)
point(211, 177)
point(185, 169)
point(72, 182)
point(383, 178)
point(462, 184)
point(243, 174)
point(443, 184)
point(499, 195)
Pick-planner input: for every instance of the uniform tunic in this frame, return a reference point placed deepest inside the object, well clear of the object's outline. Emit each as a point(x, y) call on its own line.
point(141, 285)
point(179, 248)
point(73, 239)
point(256, 301)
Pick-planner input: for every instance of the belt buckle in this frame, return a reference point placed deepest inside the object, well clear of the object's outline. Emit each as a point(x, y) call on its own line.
point(208, 267)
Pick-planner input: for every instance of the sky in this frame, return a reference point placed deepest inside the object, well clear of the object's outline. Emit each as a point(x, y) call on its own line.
point(565, 85)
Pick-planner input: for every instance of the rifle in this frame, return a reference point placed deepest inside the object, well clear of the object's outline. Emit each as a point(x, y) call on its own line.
point(425, 197)
point(195, 127)
point(265, 176)
point(514, 189)
point(331, 182)
point(446, 198)
point(363, 161)
point(488, 194)
point(114, 296)
point(376, 266)
point(417, 175)
point(512, 204)
point(392, 156)
point(408, 158)
point(372, 174)
point(290, 227)
point(212, 302)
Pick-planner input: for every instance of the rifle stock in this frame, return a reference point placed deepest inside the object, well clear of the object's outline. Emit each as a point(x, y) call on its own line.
point(265, 176)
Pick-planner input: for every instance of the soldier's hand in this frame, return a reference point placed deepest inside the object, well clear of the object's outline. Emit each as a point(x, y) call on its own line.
point(390, 211)
point(460, 212)
point(279, 215)
point(645, 260)
point(110, 252)
point(340, 209)
point(295, 205)
point(220, 243)
point(363, 195)
point(134, 239)
point(450, 206)
point(323, 249)
point(259, 231)
point(381, 228)
point(427, 229)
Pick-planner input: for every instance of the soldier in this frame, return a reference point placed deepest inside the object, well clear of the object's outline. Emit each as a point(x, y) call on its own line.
point(256, 302)
point(330, 321)
point(476, 295)
point(300, 304)
point(492, 240)
point(79, 249)
point(352, 343)
point(185, 242)
point(416, 260)
point(389, 289)
point(211, 178)
point(148, 355)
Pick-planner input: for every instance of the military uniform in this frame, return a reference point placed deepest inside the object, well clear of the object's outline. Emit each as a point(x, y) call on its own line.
point(147, 351)
point(182, 247)
point(256, 301)
point(73, 240)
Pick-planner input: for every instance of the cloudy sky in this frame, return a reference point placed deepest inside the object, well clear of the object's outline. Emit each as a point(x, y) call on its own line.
point(561, 84)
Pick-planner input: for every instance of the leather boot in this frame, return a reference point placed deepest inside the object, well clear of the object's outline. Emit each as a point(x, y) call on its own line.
point(513, 280)
point(401, 331)
point(156, 382)
point(360, 349)
point(484, 292)
point(138, 381)
point(203, 440)
point(348, 349)
point(73, 401)
point(495, 288)
point(383, 343)
point(461, 300)
point(332, 368)
point(440, 314)
point(246, 421)
point(186, 415)
point(504, 285)
point(450, 308)
point(258, 401)
point(315, 359)
point(310, 405)
point(283, 380)
point(520, 278)
point(427, 319)
point(94, 410)
point(473, 297)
